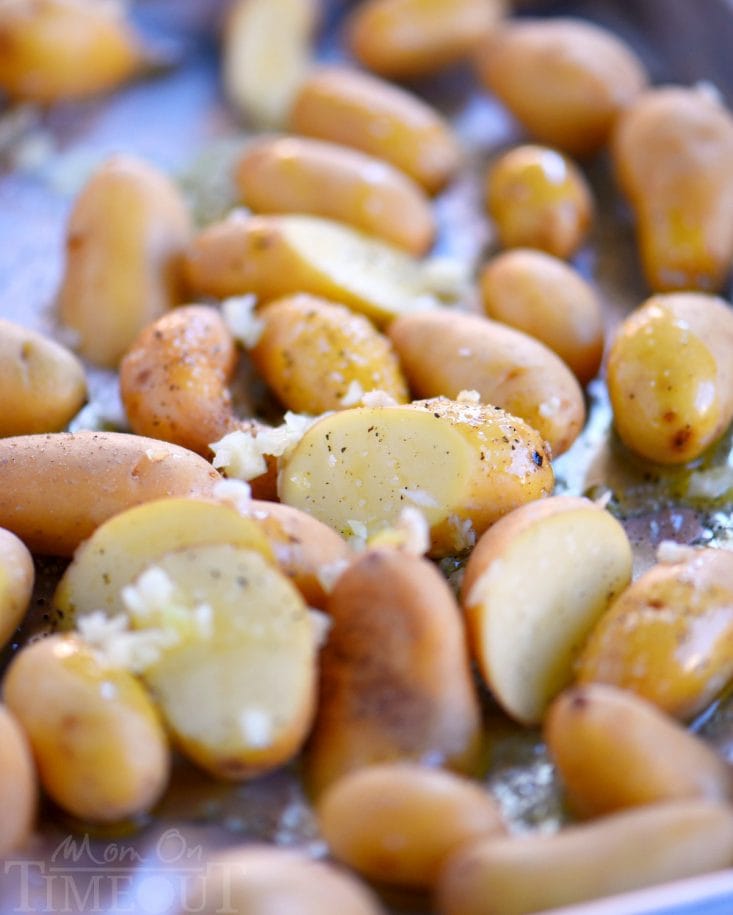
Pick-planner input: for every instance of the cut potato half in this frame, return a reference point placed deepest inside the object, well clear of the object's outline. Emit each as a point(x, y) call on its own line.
point(534, 588)
point(125, 544)
point(235, 677)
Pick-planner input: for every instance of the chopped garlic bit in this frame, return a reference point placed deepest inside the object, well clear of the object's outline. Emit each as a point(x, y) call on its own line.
point(239, 316)
point(241, 454)
point(330, 572)
point(152, 593)
point(353, 395)
point(321, 623)
point(464, 534)
point(236, 493)
point(710, 484)
point(420, 497)
point(356, 533)
point(134, 651)
point(376, 399)
point(255, 725)
point(416, 531)
point(469, 397)
point(669, 552)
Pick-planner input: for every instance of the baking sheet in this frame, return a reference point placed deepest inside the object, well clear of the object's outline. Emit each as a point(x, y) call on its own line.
point(179, 121)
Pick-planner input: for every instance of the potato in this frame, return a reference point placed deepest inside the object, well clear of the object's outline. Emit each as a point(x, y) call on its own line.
point(462, 464)
point(666, 637)
point(381, 820)
point(298, 175)
point(318, 356)
point(262, 880)
point(402, 39)
point(72, 482)
point(174, 377)
point(670, 376)
point(305, 549)
point(614, 750)
point(18, 788)
point(273, 256)
point(119, 550)
point(17, 575)
point(124, 240)
point(42, 384)
point(235, 673)
point(56, 50)
point(344, 106)
point(96, 737)
point(535, 585)
point(538, 198)
point(445, 352)
point(565, 80)
point(622, 852)
point(546, 298)
point(266, 55)
point(395, 677)
point(673, 156)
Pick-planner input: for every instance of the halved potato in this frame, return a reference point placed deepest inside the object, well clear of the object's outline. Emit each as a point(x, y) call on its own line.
point(125, 544)
point(534, 587)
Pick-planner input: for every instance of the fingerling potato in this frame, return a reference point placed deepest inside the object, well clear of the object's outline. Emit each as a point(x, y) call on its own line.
point(17, 575)
point(18, 785)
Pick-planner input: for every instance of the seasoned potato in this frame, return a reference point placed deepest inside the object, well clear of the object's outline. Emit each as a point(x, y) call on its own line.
point(382, 820)
point(408, 38)
point(670, 376)
point(539, 199)
point(673, 154)
point(125, 237)
point(273, 256)
point(61, 505)
point(119, 550)
point(42, 384)
point(234, 675)
point(614, 750)
point(546, 298)
point(395, 677)
point(550, 568)
point(100, 749)
point(17, 575)
point(18, 788)
point(299, 175)
point(174, 377)
point(318, 356)
point(463, 465)
point(55, 50)
point(262, 880)
point(344, 106)
point(622, 852)
point(444, 352)
point(266, 55)
point(565, 80)
point(666, 637)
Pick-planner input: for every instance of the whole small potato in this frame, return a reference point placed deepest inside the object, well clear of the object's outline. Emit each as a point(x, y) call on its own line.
point(124, 242)
point(614, 750)
point(318, 356)
point(101, 751)
point(355, 109)
point(565, 80)
point(402, 39)
point(42, 384)
point(673, 155)
point(18, 785)
point(300, 175)
point(670, 376)
point(17, 575)
point(546, 298)
point(395, 677)
point(667, 636)
point(538, 198)
point(382, 820)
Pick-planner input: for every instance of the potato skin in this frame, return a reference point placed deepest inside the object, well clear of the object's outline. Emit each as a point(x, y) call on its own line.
point(445, 352)
point(666, 637)
point(565, 80)
point(18, 785)
point(100, 748)
point(42, 384)
point(395, 678)
point(614, 750)
point(301, 175)
point(17, 575)
point(124, 242)
point(670, 376)
point(673, 157)
point(312, 351)
point(344, 106)
point(61, 506)
point(546, 298)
